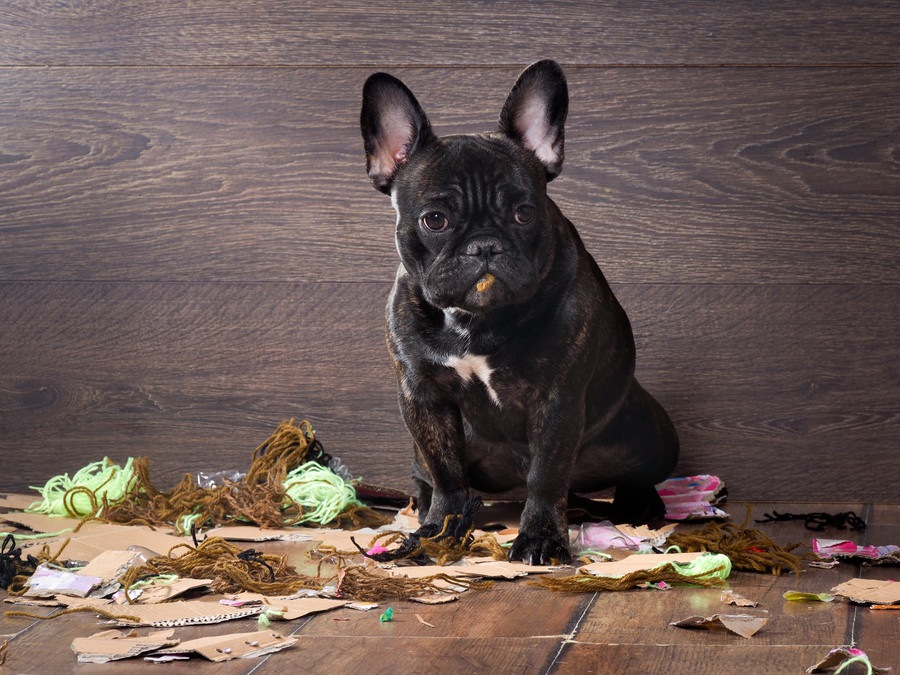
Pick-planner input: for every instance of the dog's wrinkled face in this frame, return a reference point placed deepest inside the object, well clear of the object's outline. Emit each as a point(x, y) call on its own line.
point(472, 222)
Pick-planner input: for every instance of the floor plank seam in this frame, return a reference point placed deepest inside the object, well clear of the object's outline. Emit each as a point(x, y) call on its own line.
point(851, 635)
point(569, 638)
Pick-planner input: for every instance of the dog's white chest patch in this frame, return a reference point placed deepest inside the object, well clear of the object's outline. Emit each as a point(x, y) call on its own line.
point(470, 365)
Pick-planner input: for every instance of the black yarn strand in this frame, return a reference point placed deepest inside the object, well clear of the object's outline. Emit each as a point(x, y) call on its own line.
point(818, 521)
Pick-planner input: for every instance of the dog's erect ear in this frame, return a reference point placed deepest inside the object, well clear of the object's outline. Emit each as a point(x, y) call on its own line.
point(393, 127)
point(535, 113)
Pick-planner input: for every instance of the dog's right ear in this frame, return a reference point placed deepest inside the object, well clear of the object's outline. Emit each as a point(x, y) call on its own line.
point(393, 127)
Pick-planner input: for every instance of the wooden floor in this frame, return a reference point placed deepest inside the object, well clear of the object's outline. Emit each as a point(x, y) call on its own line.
point(517, 628)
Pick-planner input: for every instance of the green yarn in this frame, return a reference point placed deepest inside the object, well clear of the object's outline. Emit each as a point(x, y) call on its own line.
point(33, 536)
point(707, 566)
point(704, 566)
point(860, 658)
point(82, 495)
point(320, 492)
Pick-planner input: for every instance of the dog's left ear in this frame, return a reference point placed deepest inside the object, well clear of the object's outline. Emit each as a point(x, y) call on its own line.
point(535, 112)
point(393, 126)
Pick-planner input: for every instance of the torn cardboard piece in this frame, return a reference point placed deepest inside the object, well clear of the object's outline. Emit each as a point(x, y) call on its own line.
point(257, 534)
point(177, 613)
point(39, 522)
point(469, 567)
point(112, 645)
point(869, 591)
point(636, 562)
point(17, 502)
point(158, 591)
point(836, 658)
point(211, 609)
point(731, 598)
point(234, 646)
point(109, 565)
point(339, 539)
point(745, 625)
point(94, 539)
point(286, 608)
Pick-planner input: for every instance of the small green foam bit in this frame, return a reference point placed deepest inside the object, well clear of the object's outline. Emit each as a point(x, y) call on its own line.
point(800, 596)
point(320, 492)
point(102, 479)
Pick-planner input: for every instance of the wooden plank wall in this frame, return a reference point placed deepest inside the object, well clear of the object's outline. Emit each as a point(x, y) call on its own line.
point(190, 251)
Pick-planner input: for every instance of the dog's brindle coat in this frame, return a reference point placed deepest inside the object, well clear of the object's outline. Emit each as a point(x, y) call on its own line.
point(515, 361)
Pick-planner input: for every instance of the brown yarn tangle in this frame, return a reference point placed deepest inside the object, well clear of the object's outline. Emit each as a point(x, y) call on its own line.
point(587, 583)
point(749, 549)
point(359, 583)
point(259, 497)
point(454, 541)
point(446, 550)
point(231, 569)
point(108, 613)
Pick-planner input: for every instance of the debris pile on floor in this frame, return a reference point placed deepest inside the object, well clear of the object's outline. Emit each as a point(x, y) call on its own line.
point(107, 541)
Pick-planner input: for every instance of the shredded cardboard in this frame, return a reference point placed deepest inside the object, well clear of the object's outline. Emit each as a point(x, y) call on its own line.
point(869, 591)
point(94, 539)
point(729, 597)
point(490, 569)
point(636, 562)
point(112, 645)
point(178, 613)
point(16, 501)
point(109, 565)
point(288, 609)
point(39, 522)
point(234, 646)
point(156, 591)
point(745, 625)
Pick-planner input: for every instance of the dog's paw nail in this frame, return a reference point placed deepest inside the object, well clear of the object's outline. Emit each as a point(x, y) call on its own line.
point(540, 551)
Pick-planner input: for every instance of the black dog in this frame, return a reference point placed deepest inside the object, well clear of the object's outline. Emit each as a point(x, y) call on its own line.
point(515, 360)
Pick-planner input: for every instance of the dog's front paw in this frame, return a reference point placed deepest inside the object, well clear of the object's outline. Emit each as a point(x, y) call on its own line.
point(540, 550)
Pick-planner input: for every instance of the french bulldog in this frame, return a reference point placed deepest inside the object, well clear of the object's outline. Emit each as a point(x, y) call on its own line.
point(514, 359)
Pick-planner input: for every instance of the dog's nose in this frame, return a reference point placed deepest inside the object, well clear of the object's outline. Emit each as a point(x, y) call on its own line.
point(484, 246)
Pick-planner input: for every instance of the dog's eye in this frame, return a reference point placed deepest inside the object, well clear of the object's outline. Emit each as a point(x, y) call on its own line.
point(524, 214)
point(434, 221)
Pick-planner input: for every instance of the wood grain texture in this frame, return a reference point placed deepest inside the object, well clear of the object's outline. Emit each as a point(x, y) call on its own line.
point(764, 384)
point(687, 176)
point(699, 659)
point(112, 32)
